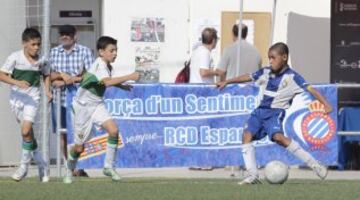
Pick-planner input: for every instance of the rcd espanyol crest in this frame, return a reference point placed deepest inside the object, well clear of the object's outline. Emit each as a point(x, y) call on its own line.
point(317, 127)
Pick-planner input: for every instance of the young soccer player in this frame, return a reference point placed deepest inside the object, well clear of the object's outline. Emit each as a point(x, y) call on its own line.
point(23, 70)
point(89, 107)
point(280, 84)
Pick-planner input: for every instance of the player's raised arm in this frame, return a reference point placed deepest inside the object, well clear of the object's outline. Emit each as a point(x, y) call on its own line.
point(321, 98)
point(119, 80)
point(239, 79)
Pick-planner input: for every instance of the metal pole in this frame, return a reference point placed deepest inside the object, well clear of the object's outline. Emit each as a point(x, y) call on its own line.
point(349, 133)
point(347, 85)
point(273, 23)
point(241, 8)
point(58, 131)
point(190, 26)
point(239, 36)
point(46, 49)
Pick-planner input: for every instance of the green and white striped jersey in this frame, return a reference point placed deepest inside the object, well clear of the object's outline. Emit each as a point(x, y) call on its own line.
point(92, 88)
point(20, 68)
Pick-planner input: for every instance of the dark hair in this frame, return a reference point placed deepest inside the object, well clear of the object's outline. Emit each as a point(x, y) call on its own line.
point(244, 30)
point(104, 41)
point(280, 47)
point(208, 35)
point(29, 34)
point(68, 30)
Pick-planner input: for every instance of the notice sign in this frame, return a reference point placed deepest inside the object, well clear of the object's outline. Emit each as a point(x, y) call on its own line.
point(345, 41)
point(149, 29)
point(75, 13)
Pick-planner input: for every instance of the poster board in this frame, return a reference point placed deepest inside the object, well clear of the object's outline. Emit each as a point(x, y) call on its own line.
point(261, 30)
point(345, 42)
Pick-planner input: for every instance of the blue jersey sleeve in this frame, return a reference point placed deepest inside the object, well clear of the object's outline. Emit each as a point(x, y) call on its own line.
point(256, 75)
point(300, 81)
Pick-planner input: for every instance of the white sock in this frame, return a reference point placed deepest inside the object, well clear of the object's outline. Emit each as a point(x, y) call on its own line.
point(111, 150)
point(248, 152)
point(25, 158)
point(26, 153)
point(301, 154)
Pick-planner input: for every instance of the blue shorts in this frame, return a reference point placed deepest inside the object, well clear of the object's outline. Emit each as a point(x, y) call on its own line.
point(265, 121)
point(62, 116)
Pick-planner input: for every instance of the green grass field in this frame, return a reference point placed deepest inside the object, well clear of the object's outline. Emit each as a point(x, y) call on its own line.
point(173, 189)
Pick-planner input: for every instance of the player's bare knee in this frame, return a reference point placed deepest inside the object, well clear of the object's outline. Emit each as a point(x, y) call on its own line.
point(26, 135)
point(277, 138)
point(113, 132)
point(79, 148)
point(26, 131)
point(111, 128)
point(280, 139)
point(247, 137)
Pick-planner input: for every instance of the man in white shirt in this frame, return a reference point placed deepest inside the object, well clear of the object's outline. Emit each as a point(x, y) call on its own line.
point(250, 58)
point(200, 66)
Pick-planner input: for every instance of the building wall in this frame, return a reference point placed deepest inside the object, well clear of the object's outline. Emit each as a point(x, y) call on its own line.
point(181, 17)
point(305, 26)
point(10, 40)
point(117, 16)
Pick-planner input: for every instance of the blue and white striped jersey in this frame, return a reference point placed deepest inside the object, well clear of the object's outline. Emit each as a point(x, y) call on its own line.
point(278, 90)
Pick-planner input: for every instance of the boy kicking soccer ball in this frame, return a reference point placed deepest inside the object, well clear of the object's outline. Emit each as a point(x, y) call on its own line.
point(89, 107)
point(23, 70)
point(280, 84)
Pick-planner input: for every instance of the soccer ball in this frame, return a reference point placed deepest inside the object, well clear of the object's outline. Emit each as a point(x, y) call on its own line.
point(276, 172)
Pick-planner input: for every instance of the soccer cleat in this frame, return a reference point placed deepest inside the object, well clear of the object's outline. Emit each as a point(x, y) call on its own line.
point(20, 174)
point(68, 177)
point(320, 170)
point(45, 179)
point(111, 173)
point(44, 174)
point(250, 180)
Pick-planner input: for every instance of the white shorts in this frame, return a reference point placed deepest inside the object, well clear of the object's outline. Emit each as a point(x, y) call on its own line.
point(23, 106)
point(84, 117)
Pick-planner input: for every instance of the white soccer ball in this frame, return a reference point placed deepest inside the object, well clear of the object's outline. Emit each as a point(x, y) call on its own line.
point(276, 172)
